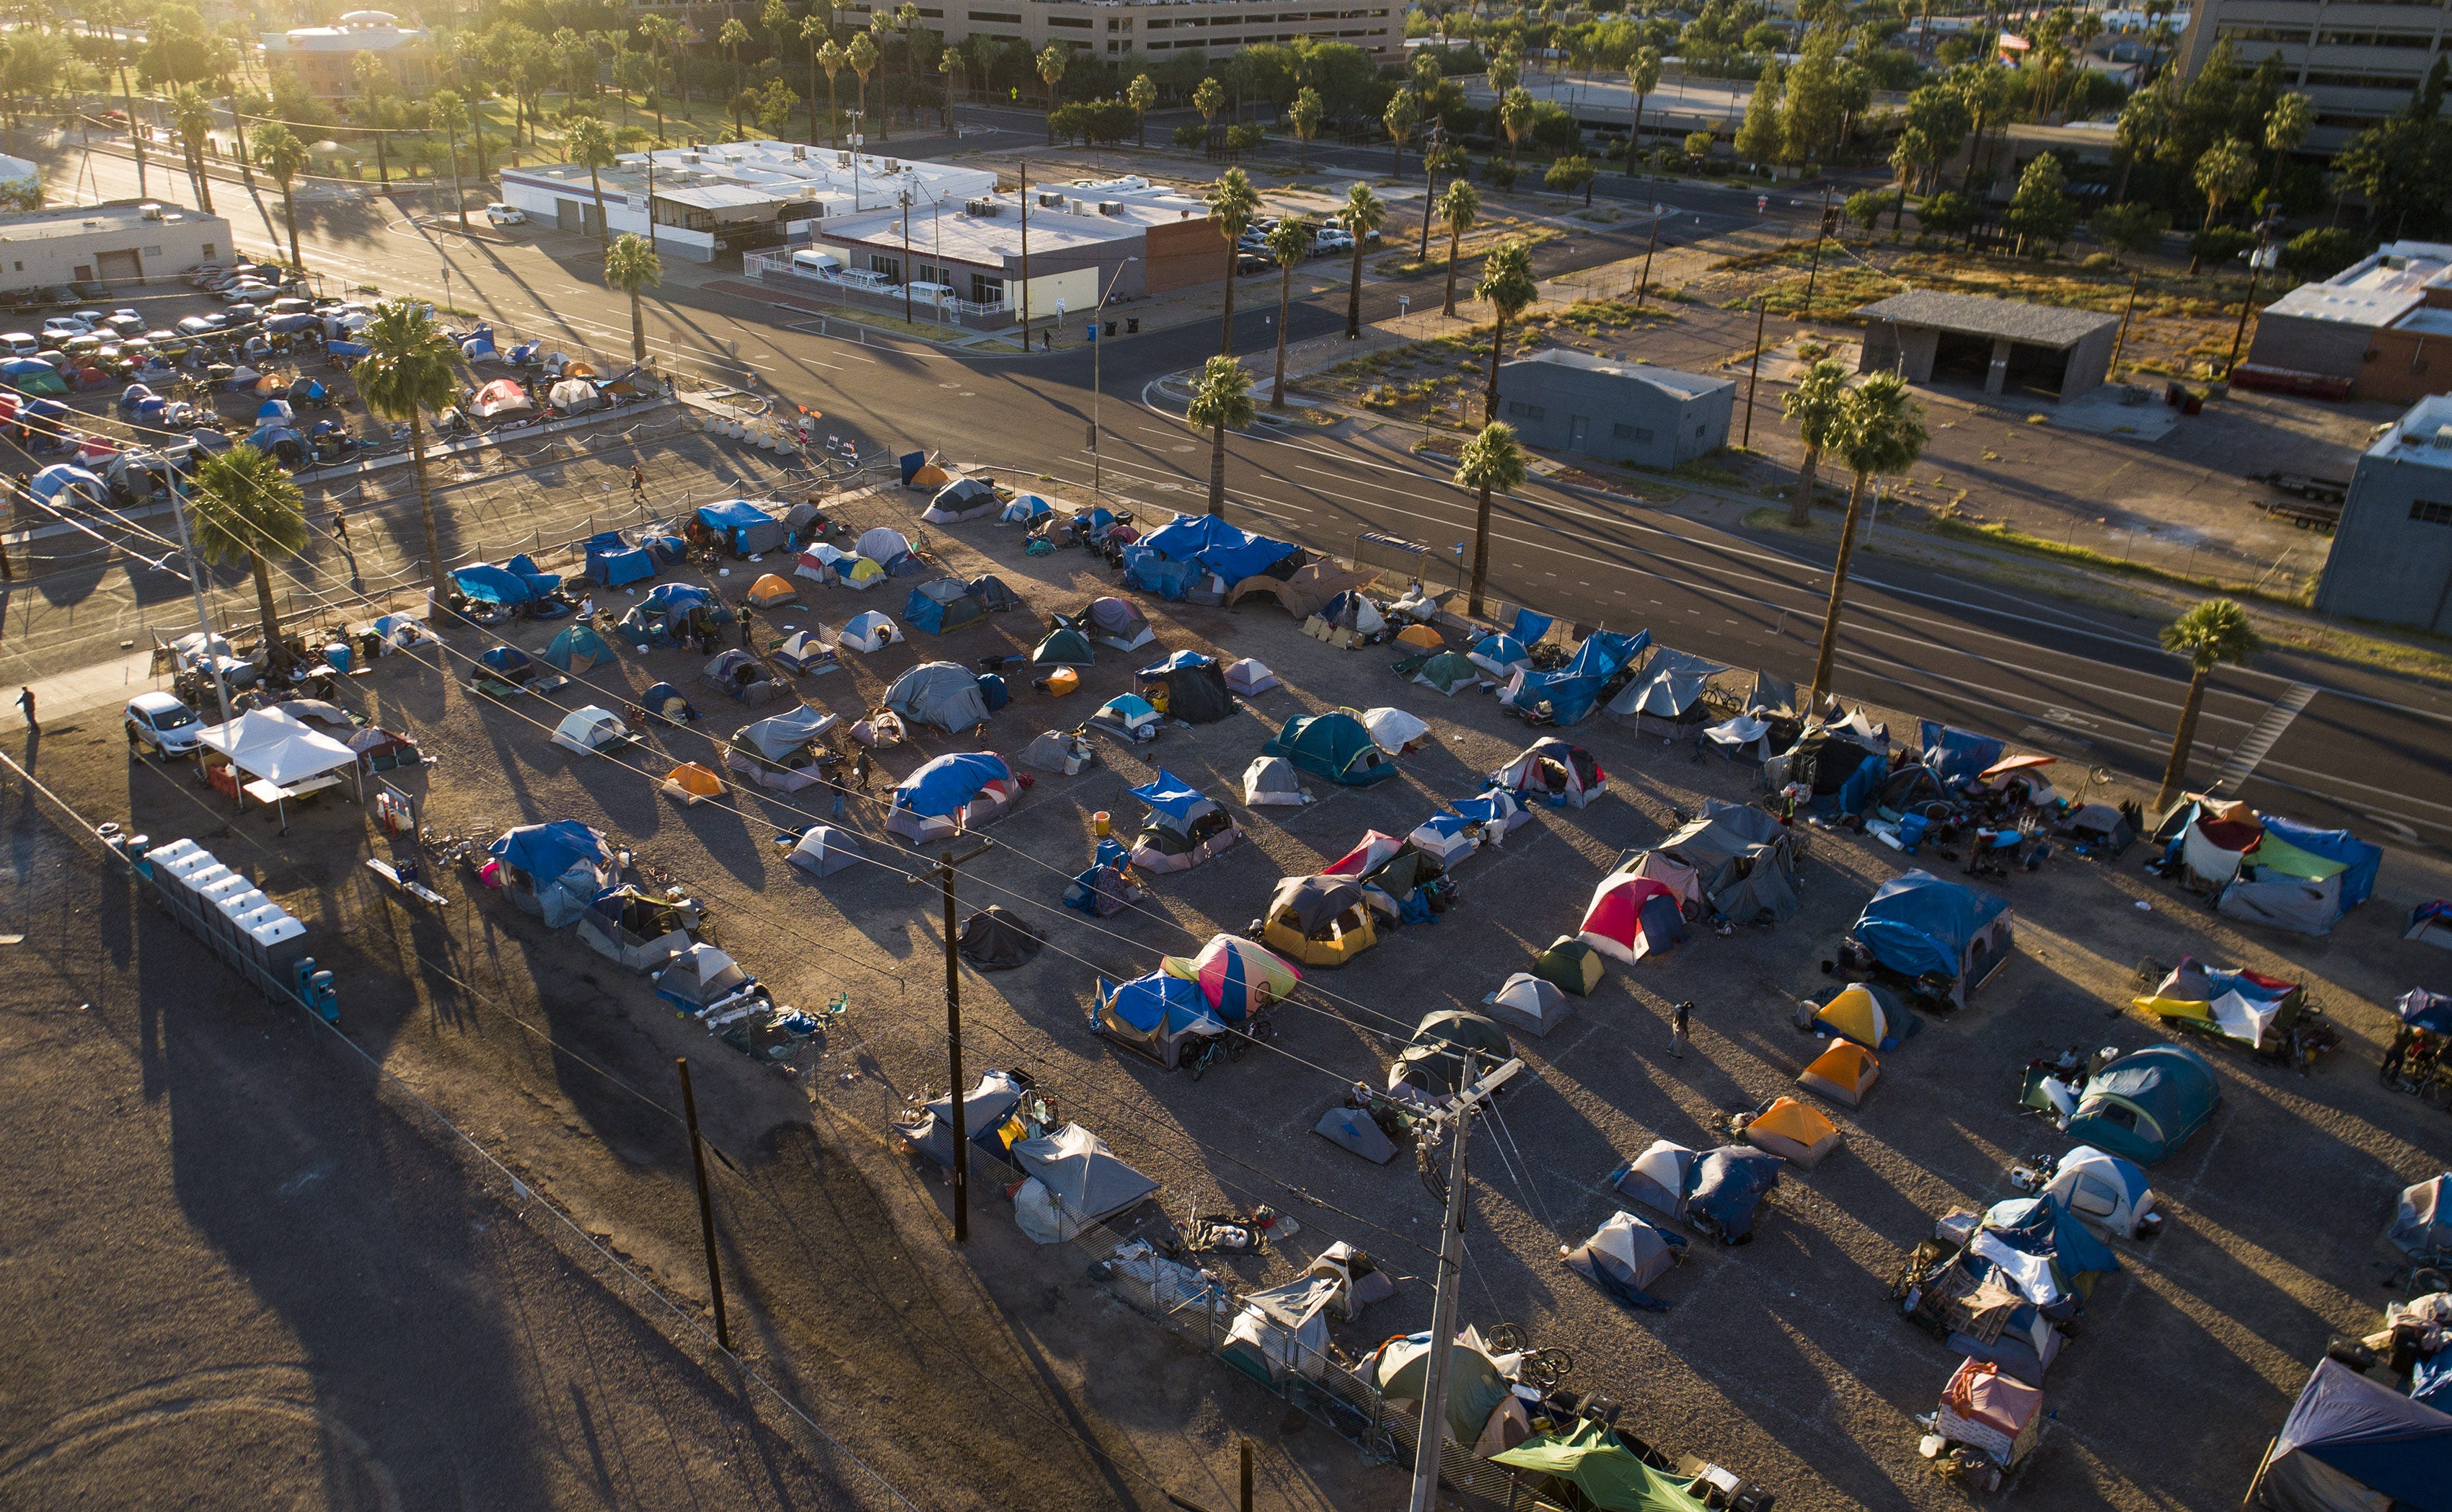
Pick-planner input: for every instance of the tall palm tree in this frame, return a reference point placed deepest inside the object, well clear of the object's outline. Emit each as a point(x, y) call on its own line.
point(1221, 400)
point(1232, 202)
point(1404, 113)
point(1816, 405)
point(2214, 631)
point(247, 509)
point(1289, 243)
point(191, 116)
point(1880, 431)
point(1304, 116)
point(817, 30)
point(589, 142)
point(1362, 214)
point(657, 31)
point(731, 39)
point(1491, 463)
point(1142, 93)
point(1458, 206)
point(1507, 283)
point(1515, 118)
point(631, 264)
point(373, 77)
point(861, 56)
point(953, 66)
point(285, 157)
point(833, 60)
point(1642, 77)
point(879, 23)
point(1052, 61)
point(411, 366)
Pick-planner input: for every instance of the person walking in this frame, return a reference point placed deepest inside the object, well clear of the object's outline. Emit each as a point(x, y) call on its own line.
point(341, 525)
point(638, 484)
point(26, 707)
point(1678, 1036)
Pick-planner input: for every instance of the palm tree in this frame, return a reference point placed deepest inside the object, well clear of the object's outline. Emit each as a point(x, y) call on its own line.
point(1209, 97)
point(1404, 113)
point(657, 31)
point(1880, 431)
point(1642, 77)
point(1491, 463)
point(411, 366)
point(1815, 405)
point(1221, 400)
point(819, 32)
point(833, 60)
point(191, 116)
point(861, 56)
point(1515, 118)
point(1304, 116)
point(1289, 243)
point(1362, 214)
point(372, 77)
point(1232, 204)
point(2214, 631)
point(284, 156)
point(953, 66)
point(246, 510)
point(1507, 282)
point(1457, 209)
point(730, 39)
point(631, 264)
point(587, 143)
point(1052, 61)
point(1142, 93)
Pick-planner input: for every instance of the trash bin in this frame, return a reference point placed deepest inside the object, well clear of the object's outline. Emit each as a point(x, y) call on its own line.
point(338, 656)
point(1132, 326)
point(1111, 327)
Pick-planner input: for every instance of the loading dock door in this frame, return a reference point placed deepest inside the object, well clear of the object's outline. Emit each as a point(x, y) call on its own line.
point(117, 266)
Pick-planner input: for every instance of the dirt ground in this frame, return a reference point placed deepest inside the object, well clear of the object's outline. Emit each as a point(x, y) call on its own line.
point(1778, 1358)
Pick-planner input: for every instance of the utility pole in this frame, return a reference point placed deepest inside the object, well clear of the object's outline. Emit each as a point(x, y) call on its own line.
point(1098, 457)
point(1022, 170)
point(1761, 306)
point(2255, 267)
point(2136, 281)
point(1643, 284)
point(706, 1207)
point(1821, 234)
point(905, 196)
point(1433, 1426)
point(196, 585)
point(943, 872)
point(459, 195)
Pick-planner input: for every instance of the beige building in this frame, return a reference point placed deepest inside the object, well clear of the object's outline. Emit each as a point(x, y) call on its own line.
point(325, 57)
point(123, 243)
point(1154, 28)
point(2361, 62)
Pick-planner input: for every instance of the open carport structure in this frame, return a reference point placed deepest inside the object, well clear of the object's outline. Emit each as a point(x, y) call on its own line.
point(2004, 345)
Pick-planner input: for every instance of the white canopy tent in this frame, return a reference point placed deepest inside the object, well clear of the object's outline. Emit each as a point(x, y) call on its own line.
point(284, 756)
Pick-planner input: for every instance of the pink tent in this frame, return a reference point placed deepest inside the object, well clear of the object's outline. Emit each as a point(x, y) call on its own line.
point(1630, 917)
point(1376, 849)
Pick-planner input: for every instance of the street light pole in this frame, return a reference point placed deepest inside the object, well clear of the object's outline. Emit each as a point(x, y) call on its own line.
point(1098, 457)
point(1754, 373)
point(943, 872)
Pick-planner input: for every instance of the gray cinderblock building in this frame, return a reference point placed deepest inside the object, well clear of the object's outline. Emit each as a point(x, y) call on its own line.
point(1651, 417)
point(1998, 344)
point(2392, 553)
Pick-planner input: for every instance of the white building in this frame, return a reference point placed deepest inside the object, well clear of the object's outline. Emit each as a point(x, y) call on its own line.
point(123, 243)
point(732, 198)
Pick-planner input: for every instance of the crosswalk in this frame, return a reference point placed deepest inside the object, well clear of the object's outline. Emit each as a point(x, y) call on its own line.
point(2246, 756)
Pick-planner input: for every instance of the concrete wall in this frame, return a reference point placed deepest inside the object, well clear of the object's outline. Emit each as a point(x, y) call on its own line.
point(2386, 565)
point(2089, 363)
point(2309, 346)
point(1622, 420)
point(148, 252)
point(2404, 366)
point(1908, 349)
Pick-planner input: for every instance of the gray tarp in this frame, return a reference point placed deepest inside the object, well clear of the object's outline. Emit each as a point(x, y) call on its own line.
point(2285, 903)
point(1082, 1175)
point(1669, 685)
point(779, 735)
point(1744, 858)
point(1316, 900)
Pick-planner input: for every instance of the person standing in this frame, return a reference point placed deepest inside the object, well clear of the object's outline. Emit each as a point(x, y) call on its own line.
point(26, 707)
point(744, 629)
point(1678, 1036)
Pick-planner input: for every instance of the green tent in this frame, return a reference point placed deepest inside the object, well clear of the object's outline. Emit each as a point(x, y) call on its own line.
point(1606, 1471)
point(1063, 647)
point(1333, 745)
point(1446, 671)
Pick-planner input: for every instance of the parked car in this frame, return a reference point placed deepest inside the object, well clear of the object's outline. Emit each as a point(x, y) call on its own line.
point(127, 322)
point(60, 328)
point(241, 313)
point(1253, 263)
point(19, 343)
point(168, 343)
point(249, 290)
point(161, 723)
point(197, 325)
point(206, 273)
point(1330, 239)
point(500, 214)
point(287, 306)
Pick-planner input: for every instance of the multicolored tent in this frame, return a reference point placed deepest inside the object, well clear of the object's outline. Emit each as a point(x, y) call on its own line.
point(1235, 975)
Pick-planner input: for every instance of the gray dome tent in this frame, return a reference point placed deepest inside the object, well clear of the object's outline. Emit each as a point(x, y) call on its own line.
point(1433, 1063)
point(824, 850)
point(941, 694)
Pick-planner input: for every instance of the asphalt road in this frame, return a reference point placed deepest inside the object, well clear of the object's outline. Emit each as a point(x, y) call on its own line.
point(2086, 683)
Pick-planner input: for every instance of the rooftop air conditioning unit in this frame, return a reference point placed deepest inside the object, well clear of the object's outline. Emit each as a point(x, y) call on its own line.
point(692, 159)
point(799, 155)
point(1110, 208)
point(843, 159)
point(1051, 202)
point(150, 212)
point(2443, 438)
point(983, 209)
point(893, 165)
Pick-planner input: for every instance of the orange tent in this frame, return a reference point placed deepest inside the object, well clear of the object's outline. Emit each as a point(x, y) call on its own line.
point(1421, 638)
point(693, 783)
point(770, 590)
point(1793, 1132)
point(1843, 1073)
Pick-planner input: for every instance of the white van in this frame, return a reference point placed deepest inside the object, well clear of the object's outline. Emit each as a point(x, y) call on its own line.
point(931, 295)
point(816, 264)
point(18, 343)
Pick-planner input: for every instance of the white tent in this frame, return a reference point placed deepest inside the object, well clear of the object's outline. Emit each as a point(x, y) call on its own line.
point(884, 545)
point(2105, 1190)
point(1272, 779)
point(824, 850)
point(272, 745)
point(870, 632)
point(1530, 1002)
point(1075, 1181)
point(590, 729)
point(1394, 729)
point(1248, 676)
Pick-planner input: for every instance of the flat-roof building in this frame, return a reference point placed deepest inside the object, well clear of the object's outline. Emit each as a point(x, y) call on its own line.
point(2361, 61)
point(2364, 333)
point(123, 243)
point(1158, 30)
point(2041, 350)
point(2392, 553)
point(1627, 412)
point(325, 57)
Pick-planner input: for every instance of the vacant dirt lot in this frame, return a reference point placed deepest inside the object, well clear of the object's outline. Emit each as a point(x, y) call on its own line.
point(1780, 1359)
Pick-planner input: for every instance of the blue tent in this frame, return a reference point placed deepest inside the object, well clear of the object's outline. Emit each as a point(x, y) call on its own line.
point(612, 561)
point(1155, 1014)
point(1210, 543)
point(749, 529)
point(1570, 698)
point(61, 476)
point(949, 783)
point(276, 412)
point(2365, 1433)
point(271, 438)
point(1725, 1185)
point(487, 583)
point(677, 597)
point(2362, 861)
point(1333, 745)
point(1955, 754)
point(1605, 651)
point(1170, 795)
point(1498, 654)
point(547, 851)
point(666, 702)
point(348, 349)
point(2145, 1104)
point(1149, 573)
point(2427, 1010)
point(299, 321)
point(1919, 924)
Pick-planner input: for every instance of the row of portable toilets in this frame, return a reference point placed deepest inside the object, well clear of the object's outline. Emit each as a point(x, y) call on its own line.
point(759, 430)
point(230, 914)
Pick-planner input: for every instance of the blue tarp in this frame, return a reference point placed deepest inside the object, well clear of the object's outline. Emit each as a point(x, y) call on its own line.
point(1170, 795)
point(1151, 573)
point(1955, 754)
point(547, 851)
point(911, 463)
point(1862, 784)
point(2362, 861)
point(2428, 1011)
point(1571, 698)
point(2385, 1442)
point(268, 438)
point(487, 583)
point(351, 349)
point(732, 514)
point(676, 598)
point(1725, 1185)
point(1158, 1001)
point(1605, 651)
point(298, 320)
point(612, 561)
point(2040, 1226)
point(1530, 627)
point(1918, 923)
point(1210, 543)
point(949, 783)
point(2430, 1381)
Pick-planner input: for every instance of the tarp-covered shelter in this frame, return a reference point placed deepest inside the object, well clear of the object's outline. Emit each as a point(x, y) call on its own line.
point(1396, 730)
point(1158, 1014)
point(1304, 592)
point(1624, 1257)
point(1744, 859)
point(986, 1108)
point(1602, 1471)
point(1318, 921)
point(1079, 1180)
point(1209, 542)
point(639, 930)
point(2146, 1104)
point(962, 790)
point(941, 694)
point(1334, 745)
point(2422, 1220)
point(1934, 933)
point(2240, 1005)
point(1552, 769)
point(998, 940)
point(613, 561)
point(700, 978)
point(1724, 1187)
point(2352, 1444)
point(780, 751)
point(747, 530)
point(1183, 828)
point(1193, 687)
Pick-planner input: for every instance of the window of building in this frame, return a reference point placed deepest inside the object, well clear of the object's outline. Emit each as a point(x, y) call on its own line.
point(890, 267)
point(1011, 18)
point(1077, 23)
point(1702, 430)
point(986, 290)
point(2375, 39)
point(2363, 81)
point(211, 253)
point(937, 14)
point(2244, 33)
point(1640, 434)
point(2428, 512)
point(1523, 411)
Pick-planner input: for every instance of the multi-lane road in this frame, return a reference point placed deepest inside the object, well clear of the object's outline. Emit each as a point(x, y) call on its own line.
point(2362, 748)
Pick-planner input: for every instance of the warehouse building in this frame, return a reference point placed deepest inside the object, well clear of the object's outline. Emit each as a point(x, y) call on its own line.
point(2003, 346)
point(2374, 331)
point(1645, 417)
point(2392, 552)
point(122, 244)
